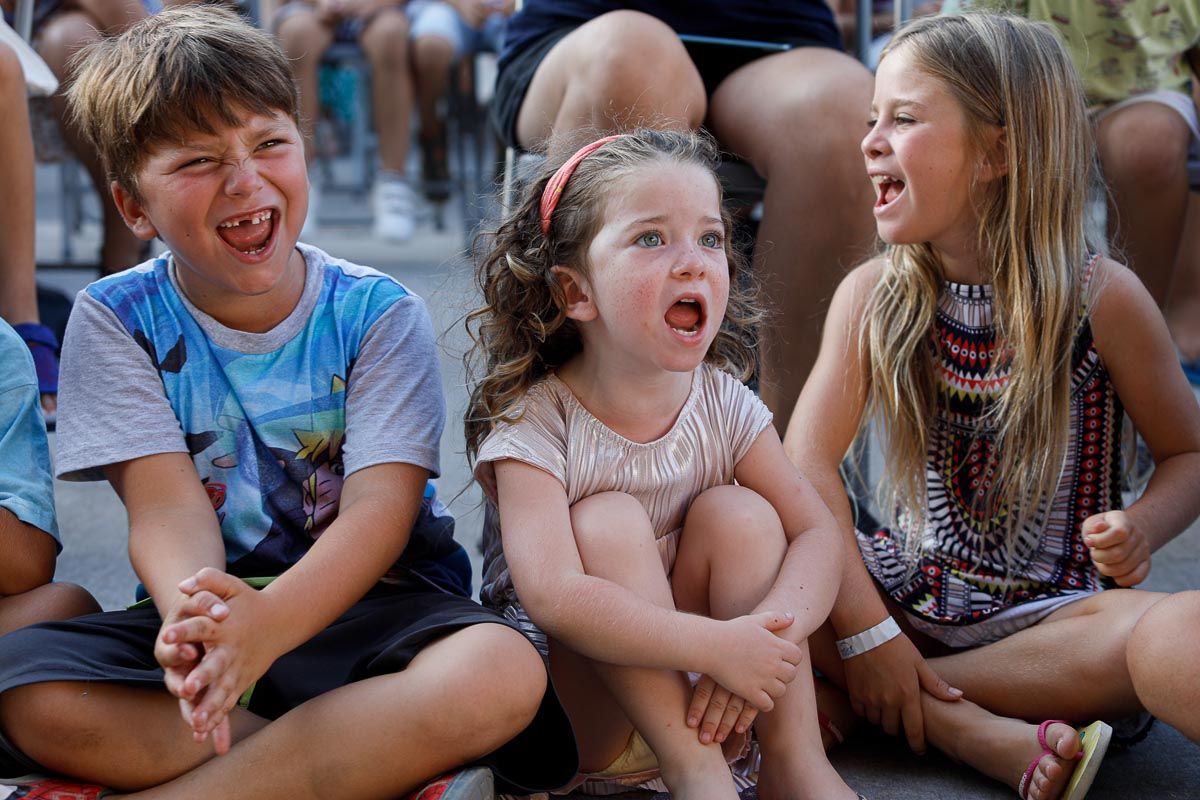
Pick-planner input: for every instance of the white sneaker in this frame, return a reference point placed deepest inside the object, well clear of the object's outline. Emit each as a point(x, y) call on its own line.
point(395, 207)
point(309, 229)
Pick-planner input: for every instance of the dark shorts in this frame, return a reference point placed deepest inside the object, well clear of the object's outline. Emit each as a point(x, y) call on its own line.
point(378, 635)
point(714, 62)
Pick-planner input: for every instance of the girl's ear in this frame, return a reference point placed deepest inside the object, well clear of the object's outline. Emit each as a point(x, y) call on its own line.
point(995, 157)
point(576, 294)
point(133, 212)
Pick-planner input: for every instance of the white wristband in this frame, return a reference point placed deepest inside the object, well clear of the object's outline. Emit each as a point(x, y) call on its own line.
point(869, 639)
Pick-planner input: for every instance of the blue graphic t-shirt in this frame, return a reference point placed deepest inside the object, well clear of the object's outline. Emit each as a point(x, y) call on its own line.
point(272, 421)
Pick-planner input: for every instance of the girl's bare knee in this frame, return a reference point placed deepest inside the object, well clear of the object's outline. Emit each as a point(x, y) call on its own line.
point(735, 520)
point(609, 521)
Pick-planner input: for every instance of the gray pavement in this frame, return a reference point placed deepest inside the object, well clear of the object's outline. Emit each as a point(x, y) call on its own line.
point(93, 524)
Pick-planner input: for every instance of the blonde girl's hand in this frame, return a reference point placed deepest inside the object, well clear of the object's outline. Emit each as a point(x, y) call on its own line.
point(751, 661)
point(716, 712)
point(1117, 547)
point(885, 685)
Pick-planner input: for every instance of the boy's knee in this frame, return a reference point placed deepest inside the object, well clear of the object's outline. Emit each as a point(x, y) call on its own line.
point(507, 691)
point(41, 718)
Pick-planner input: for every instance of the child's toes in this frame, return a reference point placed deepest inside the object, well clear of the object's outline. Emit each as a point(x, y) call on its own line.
point(1064, 739)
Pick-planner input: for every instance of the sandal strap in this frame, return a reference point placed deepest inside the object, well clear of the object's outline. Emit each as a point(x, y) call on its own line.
point(43, 347)
point(827, 724)
point(1047, 750)
point(36, 333)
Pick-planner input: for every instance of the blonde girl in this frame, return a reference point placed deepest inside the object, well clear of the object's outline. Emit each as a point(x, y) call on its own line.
point(997, 356)
point(609, 427)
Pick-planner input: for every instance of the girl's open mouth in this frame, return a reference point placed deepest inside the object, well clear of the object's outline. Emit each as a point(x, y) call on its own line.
point(250, 234)
point(686, 316)
point(888, 189)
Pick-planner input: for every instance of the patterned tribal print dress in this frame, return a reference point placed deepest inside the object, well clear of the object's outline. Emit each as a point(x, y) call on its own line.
point(962, 577)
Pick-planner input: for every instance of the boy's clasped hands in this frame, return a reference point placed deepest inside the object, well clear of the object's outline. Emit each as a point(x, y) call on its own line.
point(211, 653)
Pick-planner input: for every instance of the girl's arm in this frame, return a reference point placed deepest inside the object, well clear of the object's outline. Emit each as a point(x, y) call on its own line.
point(1137, 351)
point(610, 623)
point(884, 683)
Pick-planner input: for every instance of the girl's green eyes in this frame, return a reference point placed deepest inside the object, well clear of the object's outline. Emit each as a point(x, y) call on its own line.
point(654, 239)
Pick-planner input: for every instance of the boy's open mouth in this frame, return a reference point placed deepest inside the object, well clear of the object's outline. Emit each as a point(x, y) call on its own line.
point(685, 316)
point(888, 188)
point(249, 234)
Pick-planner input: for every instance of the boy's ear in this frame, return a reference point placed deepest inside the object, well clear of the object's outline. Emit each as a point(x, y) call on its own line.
point(995, 157)
point(133, 212)
point(576, 293)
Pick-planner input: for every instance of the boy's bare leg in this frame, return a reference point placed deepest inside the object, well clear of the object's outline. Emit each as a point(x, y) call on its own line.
point(729, 557)
point(378, 737)
point(616, 542)
point(49, 601)
point(797, 117)
point(1143, 150)
point(1162, 657)
point(61, 37)
point(304, 38)
point(385, 41)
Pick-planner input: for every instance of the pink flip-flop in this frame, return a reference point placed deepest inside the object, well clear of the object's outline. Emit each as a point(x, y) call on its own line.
point(1093, 742)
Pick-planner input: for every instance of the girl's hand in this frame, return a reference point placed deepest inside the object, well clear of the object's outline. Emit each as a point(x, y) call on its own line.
point(1118, 549)
point(717, 712)
point(885, 686)
point(754, 663)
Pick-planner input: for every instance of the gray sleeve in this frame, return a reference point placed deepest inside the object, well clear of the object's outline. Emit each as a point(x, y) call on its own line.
point(394, 407)
point(111, 403)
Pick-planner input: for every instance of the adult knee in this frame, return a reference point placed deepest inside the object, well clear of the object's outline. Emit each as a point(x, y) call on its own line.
point(62, 36)
point(629, 58)
point(1145, 143)
point(303, 37)
point(385, 41)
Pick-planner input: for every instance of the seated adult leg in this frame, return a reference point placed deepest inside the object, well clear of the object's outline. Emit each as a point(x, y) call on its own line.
point(620, 70)
point(437, 42)
point(616, 542)
point(304, 39)
point(385, 41)
point(1143, 152)
point(18, 292)
point(57, 42)
point(796, 117)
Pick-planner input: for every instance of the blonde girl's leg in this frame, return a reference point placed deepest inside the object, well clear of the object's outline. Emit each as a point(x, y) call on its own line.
point(616, 542)
point(729, 557)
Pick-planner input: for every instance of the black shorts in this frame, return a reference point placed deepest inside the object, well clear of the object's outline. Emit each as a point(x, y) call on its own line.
point(378, 635)
point(714, 62)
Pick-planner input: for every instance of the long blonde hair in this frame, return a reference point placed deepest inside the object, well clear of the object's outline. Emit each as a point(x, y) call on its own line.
point(521, 332)
point(1004, 71)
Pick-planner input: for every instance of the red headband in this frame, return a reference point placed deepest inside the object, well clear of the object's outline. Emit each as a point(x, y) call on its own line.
point(558, 181)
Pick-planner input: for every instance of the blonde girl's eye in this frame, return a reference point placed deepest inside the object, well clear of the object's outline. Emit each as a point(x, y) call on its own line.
point(710, 239)
point(650, 239)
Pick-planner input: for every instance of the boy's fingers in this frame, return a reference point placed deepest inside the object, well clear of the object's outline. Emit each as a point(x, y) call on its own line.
point(222, 737)
point(732, 712)
point(205, 603)
point(214, 580)
point(193, 629)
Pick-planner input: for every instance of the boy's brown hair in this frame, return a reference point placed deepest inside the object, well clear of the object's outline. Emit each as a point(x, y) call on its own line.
point(186, 69)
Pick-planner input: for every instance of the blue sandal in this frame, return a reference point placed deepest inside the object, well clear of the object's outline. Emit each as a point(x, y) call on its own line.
point(43, 346)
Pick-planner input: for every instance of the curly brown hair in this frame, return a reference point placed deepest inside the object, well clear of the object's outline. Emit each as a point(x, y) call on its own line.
point(522, 332)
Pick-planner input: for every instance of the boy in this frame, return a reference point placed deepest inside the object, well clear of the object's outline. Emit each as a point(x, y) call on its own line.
point(288, 412)
point(28, 533)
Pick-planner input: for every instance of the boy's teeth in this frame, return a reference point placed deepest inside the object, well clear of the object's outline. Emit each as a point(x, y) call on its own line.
point(253, 219)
